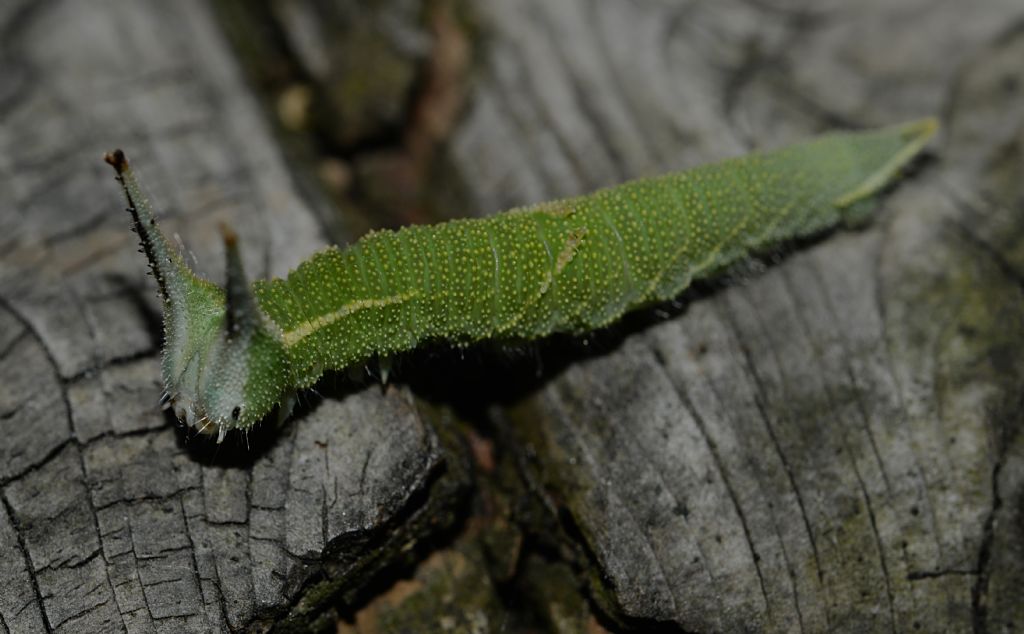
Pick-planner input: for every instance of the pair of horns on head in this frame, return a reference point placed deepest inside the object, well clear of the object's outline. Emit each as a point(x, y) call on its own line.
point(168, 266)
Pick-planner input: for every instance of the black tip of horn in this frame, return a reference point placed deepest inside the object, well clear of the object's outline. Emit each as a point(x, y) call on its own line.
point(117, 160)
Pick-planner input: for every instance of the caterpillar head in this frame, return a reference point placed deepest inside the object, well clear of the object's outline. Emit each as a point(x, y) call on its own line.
point(224, 365)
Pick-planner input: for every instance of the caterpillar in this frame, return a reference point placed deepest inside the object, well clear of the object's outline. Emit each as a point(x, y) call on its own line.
point(232, 355)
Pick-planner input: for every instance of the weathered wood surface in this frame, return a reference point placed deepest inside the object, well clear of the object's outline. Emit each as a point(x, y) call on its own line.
point(112, 518)
point(833, 443)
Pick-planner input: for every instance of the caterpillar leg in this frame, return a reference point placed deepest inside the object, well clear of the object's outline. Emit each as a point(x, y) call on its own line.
point(284, 410)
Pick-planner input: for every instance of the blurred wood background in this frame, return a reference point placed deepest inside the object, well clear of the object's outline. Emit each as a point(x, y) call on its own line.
point(829, 440)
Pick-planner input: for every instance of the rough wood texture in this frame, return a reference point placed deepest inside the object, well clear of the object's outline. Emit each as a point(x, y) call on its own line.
point(112, 518)
point(833, 443)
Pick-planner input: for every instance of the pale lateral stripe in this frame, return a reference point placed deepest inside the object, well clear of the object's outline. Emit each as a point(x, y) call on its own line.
point(292, 337)
point(923, 131)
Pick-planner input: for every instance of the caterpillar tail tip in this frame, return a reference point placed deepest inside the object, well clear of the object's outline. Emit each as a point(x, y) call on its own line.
point(921, 129)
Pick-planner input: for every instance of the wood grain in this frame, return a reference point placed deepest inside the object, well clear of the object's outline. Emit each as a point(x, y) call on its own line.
point(114, 518)
point(831, 442)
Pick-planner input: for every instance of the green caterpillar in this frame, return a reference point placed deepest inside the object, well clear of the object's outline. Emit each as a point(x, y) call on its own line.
point(232, 355)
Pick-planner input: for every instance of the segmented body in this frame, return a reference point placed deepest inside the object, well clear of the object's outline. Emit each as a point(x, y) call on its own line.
point(572, 265)
point(569, 265)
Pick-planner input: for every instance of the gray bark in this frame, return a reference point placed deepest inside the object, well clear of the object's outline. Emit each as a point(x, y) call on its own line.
point(114, 519)
point(832, 443)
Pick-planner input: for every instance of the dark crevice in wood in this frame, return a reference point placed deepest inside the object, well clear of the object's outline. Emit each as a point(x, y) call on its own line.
point(81, 613)
point(848, 451)
point(759, 401)
point(1005, 432)
point(724, 401)
point(1009, 427)
point(763, 413)
point(218, 581)
point(850, 374)
point(42, 462)
point(93, 514)
point(890, 369)
point(29, 568)
point(979, 609)
point(720, 466)
point(880, 545)
point(916, 575)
